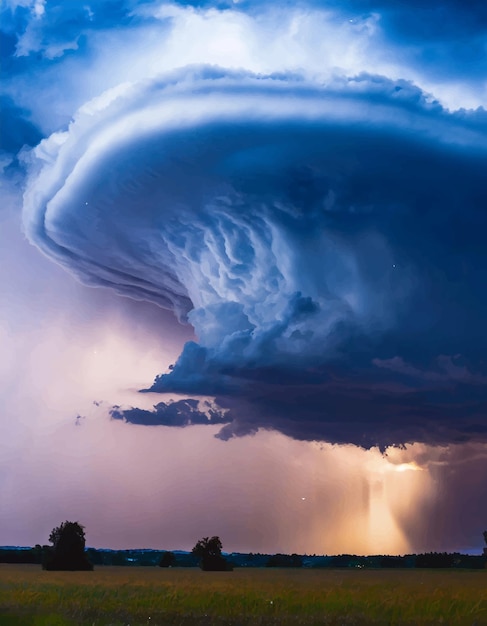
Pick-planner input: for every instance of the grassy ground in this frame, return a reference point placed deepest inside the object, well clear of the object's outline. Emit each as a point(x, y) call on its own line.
point(139, 596)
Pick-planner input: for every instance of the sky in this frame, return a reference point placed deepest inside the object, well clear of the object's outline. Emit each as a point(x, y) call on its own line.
point(242, 271)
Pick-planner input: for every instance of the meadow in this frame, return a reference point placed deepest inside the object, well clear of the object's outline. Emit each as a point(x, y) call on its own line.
point(154, 596)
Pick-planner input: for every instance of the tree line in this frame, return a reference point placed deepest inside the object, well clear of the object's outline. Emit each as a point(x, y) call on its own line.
point(68, 552)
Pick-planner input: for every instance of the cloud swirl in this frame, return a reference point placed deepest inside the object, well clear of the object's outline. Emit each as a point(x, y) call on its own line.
point(312, 234)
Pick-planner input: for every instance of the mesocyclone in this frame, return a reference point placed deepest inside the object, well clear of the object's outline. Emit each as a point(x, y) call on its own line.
point(304, 230)
point(222, 193)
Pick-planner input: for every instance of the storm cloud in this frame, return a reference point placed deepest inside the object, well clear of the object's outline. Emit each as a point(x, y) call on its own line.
point(314, 235)
point(178, 413)
point(302, 185)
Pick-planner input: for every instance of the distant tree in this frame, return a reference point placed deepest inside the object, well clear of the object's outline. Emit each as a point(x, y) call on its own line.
point(208, 547)
point(68, 548)
point(94, 557)
point(118, 558)
point(285, 560)
point(168, 559)
point(209, 552)
point(392, 561)
point(342, 560)
point(435, 559)
point(19, 555)
point(485, 536)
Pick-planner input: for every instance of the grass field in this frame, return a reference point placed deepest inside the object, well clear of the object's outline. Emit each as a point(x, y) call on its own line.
point(145, 596)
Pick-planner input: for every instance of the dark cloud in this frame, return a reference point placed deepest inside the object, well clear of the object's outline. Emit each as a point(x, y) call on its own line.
point(364, 409)
point(325, 238)
point(178, 413)
point(326, 243)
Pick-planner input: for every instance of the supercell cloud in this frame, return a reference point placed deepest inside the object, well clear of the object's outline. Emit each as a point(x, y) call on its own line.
point(322, 231)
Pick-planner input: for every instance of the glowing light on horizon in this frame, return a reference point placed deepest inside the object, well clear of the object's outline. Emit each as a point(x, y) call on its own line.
point(373, 499)
point(408, 467)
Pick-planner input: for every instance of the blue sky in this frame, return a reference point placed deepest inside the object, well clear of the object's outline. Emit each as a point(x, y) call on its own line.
point(288, 203)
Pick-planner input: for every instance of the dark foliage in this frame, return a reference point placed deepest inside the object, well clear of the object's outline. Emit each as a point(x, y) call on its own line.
point(153, 558)
point(435, 559)
point(445, 560)
point(138, 558)
point(13, 555)
point(344, 560)
point(285, 560)
point(393, 561)
point(209, 553)
point(68, 549)
point(168, 559)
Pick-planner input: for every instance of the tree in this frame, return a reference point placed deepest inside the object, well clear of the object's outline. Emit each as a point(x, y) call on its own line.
point(167, 559)
point(68, 548)
point(485, 536)
point(209, 552)
point(285, 560)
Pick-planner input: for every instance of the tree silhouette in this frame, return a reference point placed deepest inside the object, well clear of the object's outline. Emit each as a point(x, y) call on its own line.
point(485, 536)
point(168, 559)
point(209, 552)
point(68, 548)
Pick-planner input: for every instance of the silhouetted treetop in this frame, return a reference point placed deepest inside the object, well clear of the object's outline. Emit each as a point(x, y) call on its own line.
point(69, 535)
point(208, 547)
point(209, 552)
point(168, 559)
point(68, 548)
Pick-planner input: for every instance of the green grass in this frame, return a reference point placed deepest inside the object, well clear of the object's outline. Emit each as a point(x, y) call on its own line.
point(139, 596)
